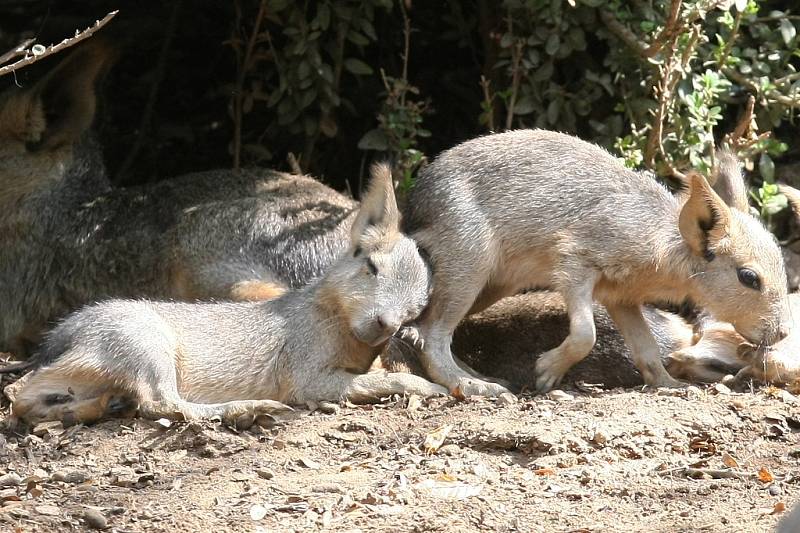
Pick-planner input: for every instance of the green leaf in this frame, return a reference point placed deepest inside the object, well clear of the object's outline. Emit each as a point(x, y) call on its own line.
point(356, 66)
point(357, 39)
point(788, 31)
point(374, 140)
point(766, 167)
point(553, 43)
point(544, 72)
point(552, 111)
point(304, 69)
point(775, 204)
point(368, 29)
point(524, 105)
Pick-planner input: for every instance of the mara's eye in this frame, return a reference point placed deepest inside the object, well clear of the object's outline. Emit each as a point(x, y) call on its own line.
point(748, 278)
point(371, 267)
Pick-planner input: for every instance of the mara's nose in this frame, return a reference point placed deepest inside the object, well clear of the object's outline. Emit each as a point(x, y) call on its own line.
point(388, 322)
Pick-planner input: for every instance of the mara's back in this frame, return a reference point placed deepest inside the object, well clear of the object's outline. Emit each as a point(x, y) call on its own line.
point(282, 227)
point(533, 183)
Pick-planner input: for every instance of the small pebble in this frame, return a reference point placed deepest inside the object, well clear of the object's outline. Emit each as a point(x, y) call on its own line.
point(506, 399)
point(95, 519)
point(599, 437)
point(263, 473)
point(329, 408)
point(74, 477)
point(560, 396)
point(12, 479)
point(774, 490)
point(722, 389)
point(692, 391)
point(449, 449)
point(257, 512)
point(48, 510)
point(44, 428)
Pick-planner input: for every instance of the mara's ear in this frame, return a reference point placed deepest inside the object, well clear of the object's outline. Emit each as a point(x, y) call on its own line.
point(704, 219)
point(793, 197)
point(378, 212)
point(64, 101)
point(728, 181)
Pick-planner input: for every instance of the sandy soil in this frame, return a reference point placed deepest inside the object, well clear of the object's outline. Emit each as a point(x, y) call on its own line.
point(582, 459)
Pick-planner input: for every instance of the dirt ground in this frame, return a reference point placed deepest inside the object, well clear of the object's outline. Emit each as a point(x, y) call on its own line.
point(582, 459)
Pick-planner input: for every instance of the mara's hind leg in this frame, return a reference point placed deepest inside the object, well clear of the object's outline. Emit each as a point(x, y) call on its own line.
point(228, 412)
point(159, 397)
point(553, 364)
point(81, 397)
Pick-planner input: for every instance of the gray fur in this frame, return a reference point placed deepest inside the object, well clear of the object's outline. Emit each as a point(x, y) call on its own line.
point(69, 238)
point(533, 208)
point(206, 359)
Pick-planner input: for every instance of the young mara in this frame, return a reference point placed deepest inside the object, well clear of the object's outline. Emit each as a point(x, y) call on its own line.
point(230, 359)
point(534, 208)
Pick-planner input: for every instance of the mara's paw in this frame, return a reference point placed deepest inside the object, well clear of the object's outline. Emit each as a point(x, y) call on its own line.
point(430, 389)
point(411, 384)
point(411, 336)
point(666, 382)
point(467, 387)
point(550, 370)
point(259, 412)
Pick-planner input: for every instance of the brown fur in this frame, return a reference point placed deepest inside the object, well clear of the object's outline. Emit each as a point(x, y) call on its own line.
point(256, 290)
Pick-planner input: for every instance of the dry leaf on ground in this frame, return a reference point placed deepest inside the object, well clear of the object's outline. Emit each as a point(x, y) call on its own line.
point(435, 439)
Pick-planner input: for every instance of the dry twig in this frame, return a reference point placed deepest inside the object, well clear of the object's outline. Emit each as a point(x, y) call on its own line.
point(488, 101)
point(20, 50)
point(708, 472)
point(244, 68)
point(293, 164)
point(667, 35)
point(29, 57)
point(516, 76)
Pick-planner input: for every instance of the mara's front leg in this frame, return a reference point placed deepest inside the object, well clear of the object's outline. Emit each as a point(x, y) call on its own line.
point(553, 364)
point(368, 388)
point(643, 347)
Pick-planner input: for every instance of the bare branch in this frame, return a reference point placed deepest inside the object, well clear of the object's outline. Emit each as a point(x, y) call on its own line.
point(622, 32)
point(238, 95)
point(20, 50)
point(293, 164)
point(743, 131)
point(516, 75)
point(734, 33)
point(788, 101)
point(53, 48)
point(670, 30)
point(487, 99)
